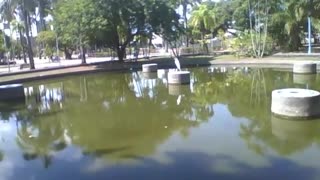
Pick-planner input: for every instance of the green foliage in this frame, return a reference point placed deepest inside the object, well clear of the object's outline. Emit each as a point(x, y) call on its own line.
point(47, 39)
point(121, 21)
point(2, 44)
point(110, 23)
point(242, 45)
point(167, 25)
point(203, 18)
point(74, 22)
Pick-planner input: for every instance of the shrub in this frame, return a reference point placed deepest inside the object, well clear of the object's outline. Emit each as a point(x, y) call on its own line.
point(242, 45)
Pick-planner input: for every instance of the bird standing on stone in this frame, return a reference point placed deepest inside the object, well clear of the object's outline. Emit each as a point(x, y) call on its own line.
point(177, 63)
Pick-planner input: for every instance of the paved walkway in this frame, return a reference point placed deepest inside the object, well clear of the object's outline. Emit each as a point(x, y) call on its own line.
point(50, 70)
point(276, 61)
point(46, 63)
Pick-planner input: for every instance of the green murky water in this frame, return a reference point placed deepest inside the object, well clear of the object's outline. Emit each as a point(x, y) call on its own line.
point(135, 126)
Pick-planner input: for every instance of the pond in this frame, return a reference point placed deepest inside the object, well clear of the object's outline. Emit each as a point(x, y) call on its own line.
point(136, 126)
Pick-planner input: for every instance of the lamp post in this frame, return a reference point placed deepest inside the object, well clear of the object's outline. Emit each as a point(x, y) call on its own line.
point(309, 26)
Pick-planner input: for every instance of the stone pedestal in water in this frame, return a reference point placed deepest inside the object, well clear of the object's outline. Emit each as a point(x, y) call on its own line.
point(179, 77)
point(296, 103)
point(12, 92)
point(305, 68)
point(148, 68)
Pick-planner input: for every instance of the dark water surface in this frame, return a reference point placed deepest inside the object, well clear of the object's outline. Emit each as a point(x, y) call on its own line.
point(135, 126)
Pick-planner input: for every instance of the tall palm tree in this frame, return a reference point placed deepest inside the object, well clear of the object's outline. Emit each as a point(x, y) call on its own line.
point(18, 27)
point(12, 8)
point(293, 15)
point(27, 24)
point(184, 4)
point(203, 19)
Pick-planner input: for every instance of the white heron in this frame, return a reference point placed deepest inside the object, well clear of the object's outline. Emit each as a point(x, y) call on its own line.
point(177, 63)
point(179, 100)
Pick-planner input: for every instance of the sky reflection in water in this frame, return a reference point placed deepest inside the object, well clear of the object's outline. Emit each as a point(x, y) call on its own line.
point(135, 126)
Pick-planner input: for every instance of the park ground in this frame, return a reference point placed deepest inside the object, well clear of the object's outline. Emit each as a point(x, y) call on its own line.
point(46, 69)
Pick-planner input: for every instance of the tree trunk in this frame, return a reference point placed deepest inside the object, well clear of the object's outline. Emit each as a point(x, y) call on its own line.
point(67, 54)
point(83, 55)
point(27, 26)
point(121, 53)
point(41, 14)
point(294, 41)
point(185, 8)
point(22, 46)
point(204, 44)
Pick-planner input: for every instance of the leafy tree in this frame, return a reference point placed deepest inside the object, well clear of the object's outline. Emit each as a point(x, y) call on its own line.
point(127, 19)
point(167, 26)
point(123, 21)
point(2, 45)
point(23, 8)
point(48, 39)
point(18, 27)
point(184, 5)
point(203, 19)
point(75, 21)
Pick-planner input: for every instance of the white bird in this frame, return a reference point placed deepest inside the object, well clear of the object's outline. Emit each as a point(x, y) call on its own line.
point(177, 63)
point(179, 100)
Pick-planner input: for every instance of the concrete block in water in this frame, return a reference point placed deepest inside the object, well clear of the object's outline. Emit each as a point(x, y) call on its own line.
point(12, 92)
point(179, 77)
point(296, 103)
point(147, 68)
point(305, 68)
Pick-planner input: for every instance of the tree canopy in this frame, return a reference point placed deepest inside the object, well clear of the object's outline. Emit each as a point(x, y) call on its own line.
point(117, 24)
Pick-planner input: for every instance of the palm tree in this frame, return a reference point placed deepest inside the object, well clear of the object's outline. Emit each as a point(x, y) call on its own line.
point(49, 140)
point(18, 27)
point(184, 4)
point(42, 6)
point(293, 15)
point(203, 19)
point(9, 10)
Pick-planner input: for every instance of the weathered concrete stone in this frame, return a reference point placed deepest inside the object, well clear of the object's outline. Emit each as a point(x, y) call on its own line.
point(305, 68)
point(147, 68)
point(12, 92)
point(179, 77)
point(296, 103)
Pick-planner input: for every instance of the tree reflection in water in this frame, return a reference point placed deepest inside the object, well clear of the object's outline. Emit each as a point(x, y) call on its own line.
point(248, 94)
point(130, 118)
point(119, 117)
point(39, 132)
point(126, 117)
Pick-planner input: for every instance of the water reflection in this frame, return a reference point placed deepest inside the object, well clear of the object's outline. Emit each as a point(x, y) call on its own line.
point(219, 126)
point(150, 75)
point(304, 80)
point(44, 99)
point(292, 136)
point(177, 90)
point(112, 118)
